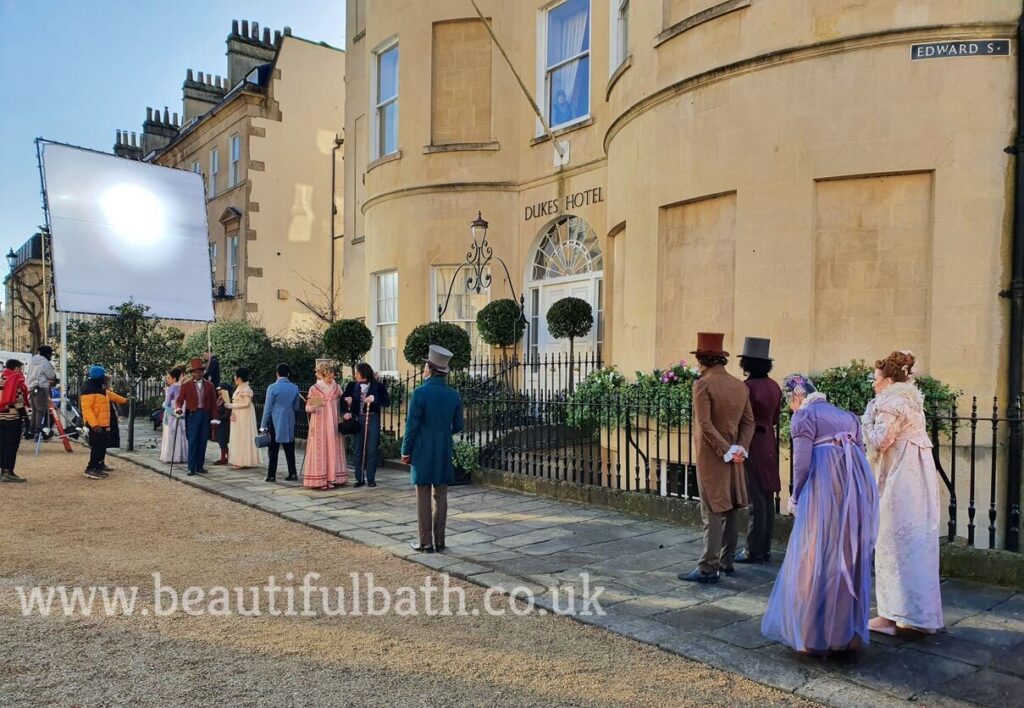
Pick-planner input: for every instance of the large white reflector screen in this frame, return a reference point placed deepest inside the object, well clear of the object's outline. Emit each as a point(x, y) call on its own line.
point(127, 230)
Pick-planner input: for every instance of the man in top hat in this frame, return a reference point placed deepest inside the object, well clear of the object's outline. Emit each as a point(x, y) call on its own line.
point(721, 412)
point(197, 399)
point(435, 414)
point(762, 465)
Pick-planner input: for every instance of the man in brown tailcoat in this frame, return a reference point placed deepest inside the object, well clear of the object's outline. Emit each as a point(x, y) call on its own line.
point(722, 414)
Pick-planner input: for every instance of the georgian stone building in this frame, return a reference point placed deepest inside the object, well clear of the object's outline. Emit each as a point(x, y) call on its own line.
point(25, 285)
point(267, 139)
point(800, 170)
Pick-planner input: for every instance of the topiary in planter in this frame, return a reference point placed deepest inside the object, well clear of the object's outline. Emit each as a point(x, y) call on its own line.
point(501, 323)
point(570, 318)
point(444, 334)
point(348, 341)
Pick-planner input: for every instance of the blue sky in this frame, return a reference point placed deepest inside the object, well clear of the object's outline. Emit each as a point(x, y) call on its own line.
point(77, 70)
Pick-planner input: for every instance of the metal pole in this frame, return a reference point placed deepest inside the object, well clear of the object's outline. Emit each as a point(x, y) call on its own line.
point(338, 142)
point(1015, 452)
point(63, 361)
point(526, 91)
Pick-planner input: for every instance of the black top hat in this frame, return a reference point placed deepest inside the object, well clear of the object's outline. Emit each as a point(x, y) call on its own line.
point(756, 348)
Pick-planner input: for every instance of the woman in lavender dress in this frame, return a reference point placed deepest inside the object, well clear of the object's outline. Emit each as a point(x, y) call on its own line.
point(174, 446)
point(822, 597)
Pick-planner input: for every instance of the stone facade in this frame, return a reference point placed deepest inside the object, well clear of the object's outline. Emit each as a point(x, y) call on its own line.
point(768, 169)
point(264, 139)
point(25, 320)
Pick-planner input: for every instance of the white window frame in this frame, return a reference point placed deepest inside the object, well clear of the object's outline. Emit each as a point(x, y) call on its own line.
point(213, 259)
point(376, 106)
point(231, 272)
point(533, 331)
point(543, 70)
point(383, 365)
point(437, 296)
point(236, 157)
point(214, 170)
point(618, 41)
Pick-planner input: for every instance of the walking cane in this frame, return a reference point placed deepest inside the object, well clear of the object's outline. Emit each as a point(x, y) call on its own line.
point(174, 444)
point(366, 436)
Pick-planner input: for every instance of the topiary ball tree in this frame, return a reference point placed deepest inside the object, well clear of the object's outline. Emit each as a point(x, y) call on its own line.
point(348, 341)
point(570, 318)
point(444, 334)
point(501, 323)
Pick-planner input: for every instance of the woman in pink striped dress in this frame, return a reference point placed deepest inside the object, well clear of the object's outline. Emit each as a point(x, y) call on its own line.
point(325, 466)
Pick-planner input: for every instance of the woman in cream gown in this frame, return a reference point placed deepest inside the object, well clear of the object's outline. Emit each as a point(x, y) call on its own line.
point(907, 550)
point(242, 450)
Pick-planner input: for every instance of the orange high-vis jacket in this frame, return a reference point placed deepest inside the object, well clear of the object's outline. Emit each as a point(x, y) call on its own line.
point(96, 407)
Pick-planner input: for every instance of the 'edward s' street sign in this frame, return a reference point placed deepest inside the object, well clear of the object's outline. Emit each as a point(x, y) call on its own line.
point(975, 48)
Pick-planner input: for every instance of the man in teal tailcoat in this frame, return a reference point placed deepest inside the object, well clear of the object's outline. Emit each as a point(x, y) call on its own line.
point(435, 414)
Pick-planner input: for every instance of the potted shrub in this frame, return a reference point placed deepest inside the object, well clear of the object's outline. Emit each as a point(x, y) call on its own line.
point(466, 458)
point(570, 318)
point(445, 334)
point(501, 323)
point(347, 341)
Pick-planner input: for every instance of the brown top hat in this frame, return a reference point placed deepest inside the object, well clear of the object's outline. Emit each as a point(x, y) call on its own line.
point(710, 344)
point(196, 365)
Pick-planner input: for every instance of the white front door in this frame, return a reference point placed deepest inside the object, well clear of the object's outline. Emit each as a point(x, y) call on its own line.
point(550, 293)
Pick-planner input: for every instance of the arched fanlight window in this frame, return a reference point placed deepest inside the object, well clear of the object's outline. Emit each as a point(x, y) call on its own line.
point(568, 247)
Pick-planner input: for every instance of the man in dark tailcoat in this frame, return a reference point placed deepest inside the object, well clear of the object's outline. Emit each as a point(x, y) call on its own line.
point(762, 465)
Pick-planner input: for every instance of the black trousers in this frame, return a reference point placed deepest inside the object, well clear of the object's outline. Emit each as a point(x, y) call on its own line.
point(289, 456)
point(98, 441)
point(10, 439)
point(762, 515)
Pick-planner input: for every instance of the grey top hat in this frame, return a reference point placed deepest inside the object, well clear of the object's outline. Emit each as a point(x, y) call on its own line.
point(756, 348)
point(438, 358)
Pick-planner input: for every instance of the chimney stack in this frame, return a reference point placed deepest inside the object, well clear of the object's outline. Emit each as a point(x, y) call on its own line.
point(157, 131)
point(247, 50)
point(200, 92)
point(124, 146)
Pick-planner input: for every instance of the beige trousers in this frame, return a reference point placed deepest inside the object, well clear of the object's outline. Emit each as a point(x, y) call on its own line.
point(721, 533)
point(432, 522)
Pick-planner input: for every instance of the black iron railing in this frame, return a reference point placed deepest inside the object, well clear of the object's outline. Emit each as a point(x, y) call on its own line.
point(519, 415)
point(225, 290)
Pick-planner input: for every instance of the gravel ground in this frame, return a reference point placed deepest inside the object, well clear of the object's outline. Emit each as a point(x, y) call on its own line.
point(63, 529)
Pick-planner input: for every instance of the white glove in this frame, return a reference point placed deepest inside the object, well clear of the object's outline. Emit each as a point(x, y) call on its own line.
point(791, 506)
point(733, 451)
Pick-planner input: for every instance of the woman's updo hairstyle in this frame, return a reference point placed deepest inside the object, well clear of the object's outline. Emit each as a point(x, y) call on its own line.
point(898, 366)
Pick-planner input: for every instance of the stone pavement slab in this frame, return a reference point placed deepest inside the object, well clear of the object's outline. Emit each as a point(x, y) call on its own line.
point(507, 539)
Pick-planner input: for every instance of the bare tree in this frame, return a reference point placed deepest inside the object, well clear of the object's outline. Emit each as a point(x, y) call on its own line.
point(319, 300)
point(27, 294)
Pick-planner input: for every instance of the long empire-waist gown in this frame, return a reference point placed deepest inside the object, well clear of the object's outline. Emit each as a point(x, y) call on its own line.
point(174, 445)
point(242, 450)
point(325, 447)
point(907, 557)
point(822, 597)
